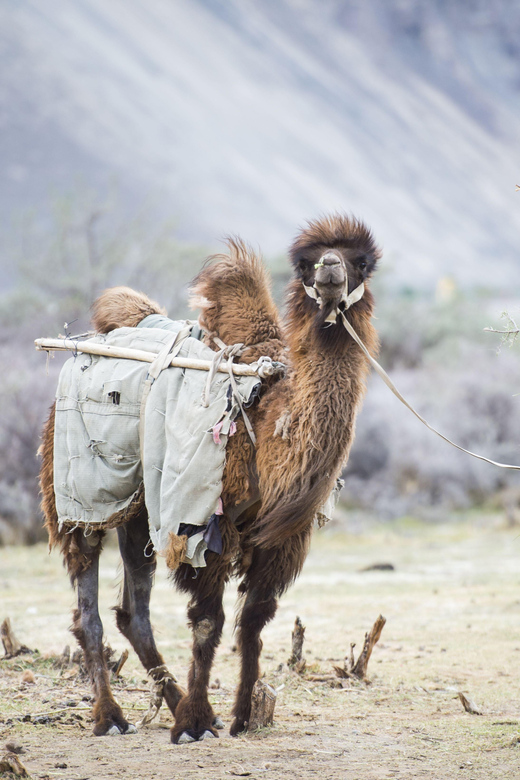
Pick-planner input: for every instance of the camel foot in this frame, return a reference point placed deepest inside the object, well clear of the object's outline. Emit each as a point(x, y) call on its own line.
point(185, 738)
point(114, 728)
point(191, 735)
point(237, 727)
point(218, 723)
point(110, 720)
point(115, 731)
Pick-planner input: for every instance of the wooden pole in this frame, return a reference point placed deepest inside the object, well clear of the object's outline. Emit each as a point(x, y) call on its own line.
point(127, 353)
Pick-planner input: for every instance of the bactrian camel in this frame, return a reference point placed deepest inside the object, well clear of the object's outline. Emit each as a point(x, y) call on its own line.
point(304, 425)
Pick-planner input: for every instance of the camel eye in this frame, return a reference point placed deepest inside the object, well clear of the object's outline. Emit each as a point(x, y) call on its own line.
point(362, 264)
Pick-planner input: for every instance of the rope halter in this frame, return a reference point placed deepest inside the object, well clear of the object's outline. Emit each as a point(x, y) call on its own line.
point(347, 298)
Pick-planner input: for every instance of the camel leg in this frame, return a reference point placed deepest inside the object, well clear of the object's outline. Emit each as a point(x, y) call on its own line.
point(88, 630)
point(270, 574)
point(133, 616)
point(194, 717)
point(259, 608)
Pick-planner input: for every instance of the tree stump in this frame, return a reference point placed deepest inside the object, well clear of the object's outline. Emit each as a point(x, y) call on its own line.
point(10, 763)
point(12, 646)
point(263, 700)
point(296, 661)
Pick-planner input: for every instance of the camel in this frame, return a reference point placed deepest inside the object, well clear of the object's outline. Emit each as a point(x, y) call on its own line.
point(304, 424)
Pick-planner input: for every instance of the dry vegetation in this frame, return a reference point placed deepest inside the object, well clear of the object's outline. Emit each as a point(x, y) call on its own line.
point(452, 606)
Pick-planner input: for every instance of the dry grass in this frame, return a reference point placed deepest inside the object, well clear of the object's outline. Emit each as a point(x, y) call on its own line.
point(452, 607)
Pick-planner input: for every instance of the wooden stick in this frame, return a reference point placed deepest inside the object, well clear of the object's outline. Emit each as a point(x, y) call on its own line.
point(360, 667)
point(358, 670)
point(469, 705)
point(127, 353)
point(119, 665)
point(12, 646)
point(298, 634)
point(263, 700)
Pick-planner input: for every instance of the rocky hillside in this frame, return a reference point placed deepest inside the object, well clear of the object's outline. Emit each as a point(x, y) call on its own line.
point(253, 115)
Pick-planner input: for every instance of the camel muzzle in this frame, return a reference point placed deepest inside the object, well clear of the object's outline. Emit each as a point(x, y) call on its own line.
point(331, 277)
point(324, 293)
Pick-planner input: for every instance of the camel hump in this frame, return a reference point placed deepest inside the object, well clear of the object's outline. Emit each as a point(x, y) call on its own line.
point(233, 293)
point(120, 307)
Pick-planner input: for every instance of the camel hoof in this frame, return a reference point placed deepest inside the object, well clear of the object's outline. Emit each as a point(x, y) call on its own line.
point(237, 727)
point(218, 723)
point(207, 735)
point(131, 729)
point(185, 738)
point(114, 731)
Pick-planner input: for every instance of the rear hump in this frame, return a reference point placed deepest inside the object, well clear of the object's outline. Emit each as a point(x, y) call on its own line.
point(120, 307)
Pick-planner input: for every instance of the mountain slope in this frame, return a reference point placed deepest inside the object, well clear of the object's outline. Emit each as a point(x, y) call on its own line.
point(250, 117)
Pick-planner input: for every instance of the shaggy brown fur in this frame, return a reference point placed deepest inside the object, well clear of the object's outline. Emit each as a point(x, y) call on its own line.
point(304, 426)
point(122, 304)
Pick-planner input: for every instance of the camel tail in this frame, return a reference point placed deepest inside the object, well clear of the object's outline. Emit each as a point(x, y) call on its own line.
point(233, 293)
point(120, 307)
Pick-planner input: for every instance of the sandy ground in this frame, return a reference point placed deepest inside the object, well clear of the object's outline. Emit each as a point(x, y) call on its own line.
point(452, 606)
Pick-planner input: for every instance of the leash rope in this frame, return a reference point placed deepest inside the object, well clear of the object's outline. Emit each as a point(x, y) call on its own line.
point(388, 382)
point(352, 298)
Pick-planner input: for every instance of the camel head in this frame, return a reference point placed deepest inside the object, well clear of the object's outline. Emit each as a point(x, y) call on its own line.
point(334, 257)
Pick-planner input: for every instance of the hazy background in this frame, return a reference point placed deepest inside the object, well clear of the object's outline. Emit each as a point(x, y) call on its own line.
point(134, 135)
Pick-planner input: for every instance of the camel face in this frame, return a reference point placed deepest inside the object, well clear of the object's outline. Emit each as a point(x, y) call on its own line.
point(334, 256)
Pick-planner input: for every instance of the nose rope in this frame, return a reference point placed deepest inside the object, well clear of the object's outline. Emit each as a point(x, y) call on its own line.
point(347, 298)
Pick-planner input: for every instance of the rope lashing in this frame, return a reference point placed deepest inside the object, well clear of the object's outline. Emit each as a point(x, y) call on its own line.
point(229, 352)
point(159, 677)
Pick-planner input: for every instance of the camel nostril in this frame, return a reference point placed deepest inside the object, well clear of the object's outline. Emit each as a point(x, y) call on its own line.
point(330, 258)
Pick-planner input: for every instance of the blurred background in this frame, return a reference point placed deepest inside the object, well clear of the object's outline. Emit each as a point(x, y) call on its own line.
point(135, 135)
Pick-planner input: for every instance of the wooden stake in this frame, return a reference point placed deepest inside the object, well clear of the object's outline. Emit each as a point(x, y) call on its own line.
point(263, 700)
point(12, 646)
point(296, 661)
point(358, 670)
point(371, 639)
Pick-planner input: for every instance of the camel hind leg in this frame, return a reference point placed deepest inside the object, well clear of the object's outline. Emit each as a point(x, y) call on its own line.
point(133, 616)
point(88, 630)
point(81, 557)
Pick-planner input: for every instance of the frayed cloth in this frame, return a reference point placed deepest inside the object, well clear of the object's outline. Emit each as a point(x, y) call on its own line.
point(101, 459)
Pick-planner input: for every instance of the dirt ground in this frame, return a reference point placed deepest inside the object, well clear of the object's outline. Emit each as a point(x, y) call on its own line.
point(452, 606)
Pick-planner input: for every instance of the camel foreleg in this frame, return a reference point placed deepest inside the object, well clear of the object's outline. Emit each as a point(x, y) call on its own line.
point(133, 616)
point(259, 608)
point(269, 575)
point(194, 717)
point(88, 630)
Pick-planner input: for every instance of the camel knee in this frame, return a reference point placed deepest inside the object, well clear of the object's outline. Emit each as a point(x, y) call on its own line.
point(256, 613)
point(87, 628)
point(123, 621)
